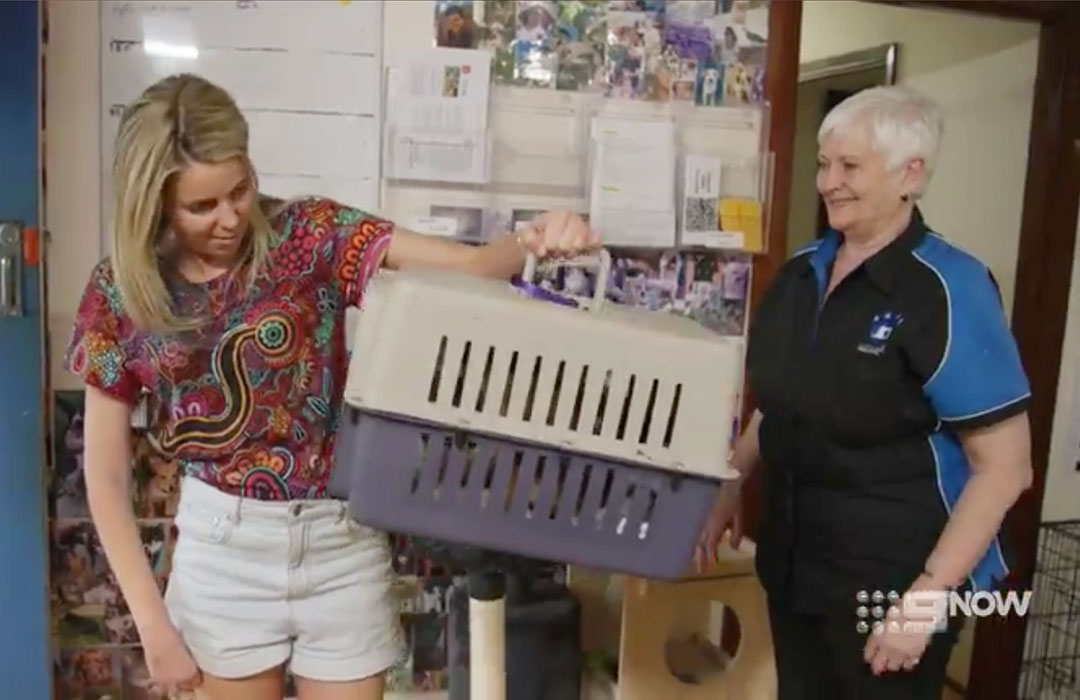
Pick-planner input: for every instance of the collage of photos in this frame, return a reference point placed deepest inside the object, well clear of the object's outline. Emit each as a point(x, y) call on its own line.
point(711, 287)
point(710, 52)
point(97, 643)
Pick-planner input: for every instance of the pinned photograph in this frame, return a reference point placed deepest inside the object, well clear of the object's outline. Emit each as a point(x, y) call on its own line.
point(451, 81)
point(580, 36)
point(83, 587)
point(158, 480)
point(68, 479)
point(135, 677)
point(709, 91)
point(121, 625)
point(633, 47)
point(536, 20)
point(90, 674)
point(741, 29)
point(536, 63)
point(454, 26)
point(495, 33)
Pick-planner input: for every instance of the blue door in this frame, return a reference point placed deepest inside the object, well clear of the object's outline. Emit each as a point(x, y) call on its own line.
point(25, 664)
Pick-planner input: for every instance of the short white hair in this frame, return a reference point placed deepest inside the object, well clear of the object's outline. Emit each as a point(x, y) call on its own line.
point(903, 124)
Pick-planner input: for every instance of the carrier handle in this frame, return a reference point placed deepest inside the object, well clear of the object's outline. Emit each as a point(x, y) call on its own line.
point(601, 261)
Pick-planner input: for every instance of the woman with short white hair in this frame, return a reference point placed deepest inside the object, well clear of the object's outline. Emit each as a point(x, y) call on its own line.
point(891, 421)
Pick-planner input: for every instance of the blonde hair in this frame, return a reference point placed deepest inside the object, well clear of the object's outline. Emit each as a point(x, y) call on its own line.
point(178, 120)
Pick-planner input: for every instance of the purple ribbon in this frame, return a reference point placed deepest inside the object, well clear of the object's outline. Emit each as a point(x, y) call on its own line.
point(536, 292)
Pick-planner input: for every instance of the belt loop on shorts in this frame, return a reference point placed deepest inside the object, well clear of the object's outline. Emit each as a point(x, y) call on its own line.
point(343, 511)
point(239, 501)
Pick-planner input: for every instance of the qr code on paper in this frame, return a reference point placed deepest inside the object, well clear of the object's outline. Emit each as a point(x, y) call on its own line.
point(700, 214)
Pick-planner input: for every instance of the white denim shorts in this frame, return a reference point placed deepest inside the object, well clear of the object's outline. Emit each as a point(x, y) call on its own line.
point(256, 584)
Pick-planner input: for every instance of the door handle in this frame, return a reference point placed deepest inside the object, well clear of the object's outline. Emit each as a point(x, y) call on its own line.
point(11, 253)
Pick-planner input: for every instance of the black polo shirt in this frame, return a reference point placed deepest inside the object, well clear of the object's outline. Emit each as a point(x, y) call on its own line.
point(862, 395)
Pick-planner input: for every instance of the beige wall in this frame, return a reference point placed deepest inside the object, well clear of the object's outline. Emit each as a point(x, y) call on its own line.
point(1062, 495)
point(931, 39)
point(72, 160)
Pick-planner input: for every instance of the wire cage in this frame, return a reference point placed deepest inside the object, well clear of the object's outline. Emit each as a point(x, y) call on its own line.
point(1051, 664)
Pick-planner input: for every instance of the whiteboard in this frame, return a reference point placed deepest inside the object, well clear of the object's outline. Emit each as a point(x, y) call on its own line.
point(305, 73)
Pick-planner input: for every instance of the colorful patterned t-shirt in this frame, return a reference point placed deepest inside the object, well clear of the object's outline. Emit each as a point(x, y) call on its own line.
point(249, 402)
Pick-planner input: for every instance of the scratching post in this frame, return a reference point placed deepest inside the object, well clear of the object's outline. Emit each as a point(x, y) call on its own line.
point(487, 636)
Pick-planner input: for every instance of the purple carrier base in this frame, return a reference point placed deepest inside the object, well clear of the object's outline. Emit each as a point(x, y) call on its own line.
point(511, 496)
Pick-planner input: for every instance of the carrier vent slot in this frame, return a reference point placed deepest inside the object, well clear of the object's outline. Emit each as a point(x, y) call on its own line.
point(564, 470)
point(583, 490)
point(515, 472)
point(481, 396)
point(508, 390)
point(625, 506)
point(436, 374)
point(534, 487)
point(462, 370)
point(605, 496)
point(601, 407)
point(485, 494)
point(670, 431)
point(554, 406)
point(643, 529)
point(621, 432)
point(530, 398)
point(647, 422)
point(575, 416)
point(425, 438)
point(444, 461)
point(466, 471)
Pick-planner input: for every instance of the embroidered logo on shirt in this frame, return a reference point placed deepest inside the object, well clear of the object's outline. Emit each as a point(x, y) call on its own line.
point(881, 329)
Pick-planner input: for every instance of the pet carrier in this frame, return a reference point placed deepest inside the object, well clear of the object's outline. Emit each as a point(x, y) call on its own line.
point(583, 432)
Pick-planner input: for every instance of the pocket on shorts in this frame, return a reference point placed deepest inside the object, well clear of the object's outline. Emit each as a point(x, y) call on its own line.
point(207, 525)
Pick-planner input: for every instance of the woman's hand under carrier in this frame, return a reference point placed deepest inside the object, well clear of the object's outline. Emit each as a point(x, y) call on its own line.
point(168, 659)
point(726, 514)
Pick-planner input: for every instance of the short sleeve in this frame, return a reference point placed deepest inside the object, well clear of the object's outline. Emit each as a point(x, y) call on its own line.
point(964, 349)
point(95, 351)
point(358, 246)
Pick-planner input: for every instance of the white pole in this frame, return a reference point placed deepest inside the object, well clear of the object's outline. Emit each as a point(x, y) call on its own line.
point(487, 640)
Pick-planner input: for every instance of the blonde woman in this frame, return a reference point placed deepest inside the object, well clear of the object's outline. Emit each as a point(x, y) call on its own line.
point(230, 313)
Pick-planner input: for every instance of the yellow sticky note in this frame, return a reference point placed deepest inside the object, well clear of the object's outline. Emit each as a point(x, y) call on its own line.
point(730, 214)
point(750, 221)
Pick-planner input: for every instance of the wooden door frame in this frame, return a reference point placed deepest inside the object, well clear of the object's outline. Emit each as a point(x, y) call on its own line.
point(1043, 269)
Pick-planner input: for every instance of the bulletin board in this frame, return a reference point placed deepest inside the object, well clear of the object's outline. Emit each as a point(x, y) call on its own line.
point(306, 136)
point(647, 116)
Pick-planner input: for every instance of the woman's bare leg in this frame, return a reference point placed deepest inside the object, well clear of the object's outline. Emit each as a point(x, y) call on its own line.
point(367, 689)
point(268, 685)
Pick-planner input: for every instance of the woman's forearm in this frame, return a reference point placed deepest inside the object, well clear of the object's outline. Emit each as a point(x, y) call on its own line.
point(502, 258)
point(747, 451)
point(108, 491)
point(972, 526)
point(109, 498)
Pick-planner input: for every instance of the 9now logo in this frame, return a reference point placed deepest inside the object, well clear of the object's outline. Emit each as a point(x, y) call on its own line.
point(930, 611)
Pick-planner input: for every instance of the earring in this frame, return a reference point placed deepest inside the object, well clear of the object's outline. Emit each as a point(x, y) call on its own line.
point(905, 197)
